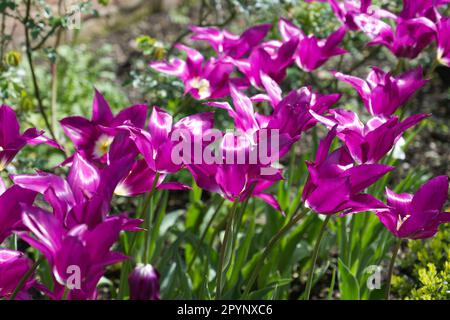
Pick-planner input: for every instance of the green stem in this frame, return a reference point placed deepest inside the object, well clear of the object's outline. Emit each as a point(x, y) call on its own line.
point(432, 69)
point(205, 232)
point(127, 264)
point(315, 254)
point(260, 263)
point(25, 278)
point(391, 268)
point(223, 249)
point(66, 292)
point(29, 54)
point(148, 224)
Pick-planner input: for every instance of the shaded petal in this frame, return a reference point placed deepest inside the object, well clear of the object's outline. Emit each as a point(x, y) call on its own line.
point(159, 126)
point(9, 126)
point(431, 196)
point(365, 175)
point(101, 112)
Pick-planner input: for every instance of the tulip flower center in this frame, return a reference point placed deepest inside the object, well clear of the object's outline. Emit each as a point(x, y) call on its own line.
point(3, 160)
point(102, 145)
point(401, 221)
point(203, 87)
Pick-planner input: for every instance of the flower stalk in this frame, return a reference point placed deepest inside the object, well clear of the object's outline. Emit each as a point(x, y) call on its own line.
point(314, 258)
point(391, 268)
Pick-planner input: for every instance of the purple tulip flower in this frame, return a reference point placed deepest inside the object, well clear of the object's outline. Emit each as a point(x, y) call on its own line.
point(291, 114)
point(336, 185)
point(157, 143)
point(237, 180)
point(229, 44)
point(12, 141)
point(383, 93)
point(443, 41)
point(271, 58)
point(13, 266)
point(144, 283)
point(347, 10)
point(77, 256)
point(416, 216)
point(408, 40)
point(367, 143)
point(424, 8)
point(84, 198)
point(10, 209)
point(312, 52)
point(93, 138)
point(203, 80)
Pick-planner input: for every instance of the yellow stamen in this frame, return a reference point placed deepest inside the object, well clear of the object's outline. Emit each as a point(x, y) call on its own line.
point(102, 145)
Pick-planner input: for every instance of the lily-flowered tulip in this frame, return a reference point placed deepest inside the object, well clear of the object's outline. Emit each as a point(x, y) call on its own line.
point(144, 283)
point(347, 10)
point(311, 51)
point(291, 114)
point(336, 185)
point(93, 138)
point(236, 180)
point(290, 118)
point(424, 8)
point(416, 216)
point(383, 93)
point(78, 256)
point(10, 209)
point(443, 41)
point(13, 266)
point(408, 40)
point(157, 143)
point(229, 44)
point(271, 58)
point(85, 196)
point(203, 80)
point(367, 143)
point(156, 146)
point(12, 141)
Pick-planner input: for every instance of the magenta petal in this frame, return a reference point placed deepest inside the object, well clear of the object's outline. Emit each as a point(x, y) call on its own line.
point(79, 130)
point(135, 115)
point(42, 181)
point(173, 186)
point(101, 112)
point(46, 228)
point(13, 266)
point(232, 179)
point(138, 181)
point(324, 146)
point(84, 178)
point(320, 202)
point(365, 175)
point(273, 90)
point(159, 126)
point(176, 68)
point(363, 202)
point(288, 30)
point(399, 203)
point(389, 220)
point(10, 128)
point(431, 196)
point(270, 200)
point(10, 213)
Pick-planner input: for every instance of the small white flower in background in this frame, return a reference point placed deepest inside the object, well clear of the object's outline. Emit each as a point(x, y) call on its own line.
point(397, 151)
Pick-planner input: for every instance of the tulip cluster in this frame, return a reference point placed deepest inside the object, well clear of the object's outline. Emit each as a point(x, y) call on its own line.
point(69, 219)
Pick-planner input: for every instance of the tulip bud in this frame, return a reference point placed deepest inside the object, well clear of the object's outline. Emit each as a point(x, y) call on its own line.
point(144, 283)
point(13, 58)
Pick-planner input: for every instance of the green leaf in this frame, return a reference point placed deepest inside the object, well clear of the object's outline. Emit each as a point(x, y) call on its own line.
point(348, 283)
